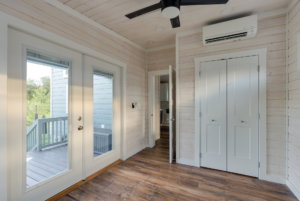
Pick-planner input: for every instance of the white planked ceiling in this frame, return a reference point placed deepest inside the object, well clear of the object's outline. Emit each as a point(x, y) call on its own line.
point(111, 14)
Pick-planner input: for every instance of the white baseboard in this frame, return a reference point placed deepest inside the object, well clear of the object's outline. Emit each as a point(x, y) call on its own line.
point(186, 162)
point(272, 178)
point(135, 151)
point(293, 189)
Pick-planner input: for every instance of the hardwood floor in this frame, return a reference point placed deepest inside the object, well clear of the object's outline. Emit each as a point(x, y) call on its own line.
point(148, 176)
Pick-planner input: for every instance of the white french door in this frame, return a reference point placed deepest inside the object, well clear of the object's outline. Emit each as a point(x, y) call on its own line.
point(243, 115)
point(172, 113)
point(64, 114)
point(229, 115)
point(44, 103)
point(102, 115)
point(213, 115)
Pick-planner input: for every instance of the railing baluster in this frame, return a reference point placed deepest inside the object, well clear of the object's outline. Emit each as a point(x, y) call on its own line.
point(48, 132)
point(52, 131)
point(61, 137)
point(65, 130)
point(56, 132)
point(43, 136)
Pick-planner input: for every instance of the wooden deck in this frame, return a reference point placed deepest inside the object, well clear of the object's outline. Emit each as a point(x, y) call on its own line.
point(42, 165)
point(149, 176)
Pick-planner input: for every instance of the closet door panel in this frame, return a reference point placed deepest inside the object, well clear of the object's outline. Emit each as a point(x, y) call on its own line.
point(213, 114)
point(243, 116)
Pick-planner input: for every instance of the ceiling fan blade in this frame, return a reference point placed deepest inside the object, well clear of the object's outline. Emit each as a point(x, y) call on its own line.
point(202, 2)
point(144, 11)
point(175, 22)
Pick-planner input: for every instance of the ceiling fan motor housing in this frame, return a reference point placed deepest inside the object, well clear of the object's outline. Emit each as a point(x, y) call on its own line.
point(170, 8)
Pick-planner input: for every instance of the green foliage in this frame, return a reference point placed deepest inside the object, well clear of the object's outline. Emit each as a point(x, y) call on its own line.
point(38, 95)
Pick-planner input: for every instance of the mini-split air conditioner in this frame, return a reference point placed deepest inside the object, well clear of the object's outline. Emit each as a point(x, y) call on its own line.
point(230, 31)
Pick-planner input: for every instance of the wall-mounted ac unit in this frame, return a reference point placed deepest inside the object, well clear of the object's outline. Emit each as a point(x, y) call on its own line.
point(230, 31)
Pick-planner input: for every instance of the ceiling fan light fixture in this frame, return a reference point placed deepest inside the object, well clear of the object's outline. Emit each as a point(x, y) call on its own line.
point(170, 12)
point(170, 8)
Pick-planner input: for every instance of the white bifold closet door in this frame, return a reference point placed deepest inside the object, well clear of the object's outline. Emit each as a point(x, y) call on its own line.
point(243, 115)
point(229, 115)
point(213, 114)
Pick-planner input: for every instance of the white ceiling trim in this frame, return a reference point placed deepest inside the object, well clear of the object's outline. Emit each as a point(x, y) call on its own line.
point(272, 13)
point(75, 13)
point(292, 4)
point(161, 48)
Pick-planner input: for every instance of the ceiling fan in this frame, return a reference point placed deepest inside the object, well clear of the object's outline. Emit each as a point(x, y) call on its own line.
point(170, 9)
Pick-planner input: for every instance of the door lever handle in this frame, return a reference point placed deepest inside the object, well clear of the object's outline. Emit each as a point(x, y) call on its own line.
point(80, 128)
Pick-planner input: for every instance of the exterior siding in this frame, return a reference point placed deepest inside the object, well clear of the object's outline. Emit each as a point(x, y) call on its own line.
point(58, 92)
point(271, 35)
point(103, 105)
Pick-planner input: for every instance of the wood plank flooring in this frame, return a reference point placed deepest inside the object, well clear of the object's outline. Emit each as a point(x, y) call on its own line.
point(148, 176)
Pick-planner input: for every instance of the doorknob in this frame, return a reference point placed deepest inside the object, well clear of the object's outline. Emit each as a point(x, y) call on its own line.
point(213, 120)
point(242, 121)
point(79, 118)
point(80, 128)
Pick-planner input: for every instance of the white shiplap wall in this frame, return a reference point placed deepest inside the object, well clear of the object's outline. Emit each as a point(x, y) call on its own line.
point(41, 14)
point(161, 59)
point(294, 99)
point(271, 35)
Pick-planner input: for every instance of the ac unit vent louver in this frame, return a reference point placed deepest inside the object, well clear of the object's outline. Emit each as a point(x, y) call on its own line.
point(229, 37)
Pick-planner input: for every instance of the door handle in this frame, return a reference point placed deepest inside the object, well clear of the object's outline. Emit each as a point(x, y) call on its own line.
point(213, 120)
point(80, 128)
point(172, 119)
point(242, 121)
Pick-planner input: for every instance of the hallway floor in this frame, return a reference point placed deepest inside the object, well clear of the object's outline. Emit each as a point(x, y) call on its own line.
point(149, 176)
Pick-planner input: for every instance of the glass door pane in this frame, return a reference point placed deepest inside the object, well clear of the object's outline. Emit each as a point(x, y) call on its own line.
point(47, 117)
point(103, 112)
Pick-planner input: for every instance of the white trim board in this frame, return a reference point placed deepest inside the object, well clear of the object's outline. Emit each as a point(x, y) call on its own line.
point(3, 108)
point(293, 189)
point(151, 104)
point(75, 13)
point(262, 53)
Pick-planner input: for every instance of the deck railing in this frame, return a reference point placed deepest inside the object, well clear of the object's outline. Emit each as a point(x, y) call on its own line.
point(47, 132)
